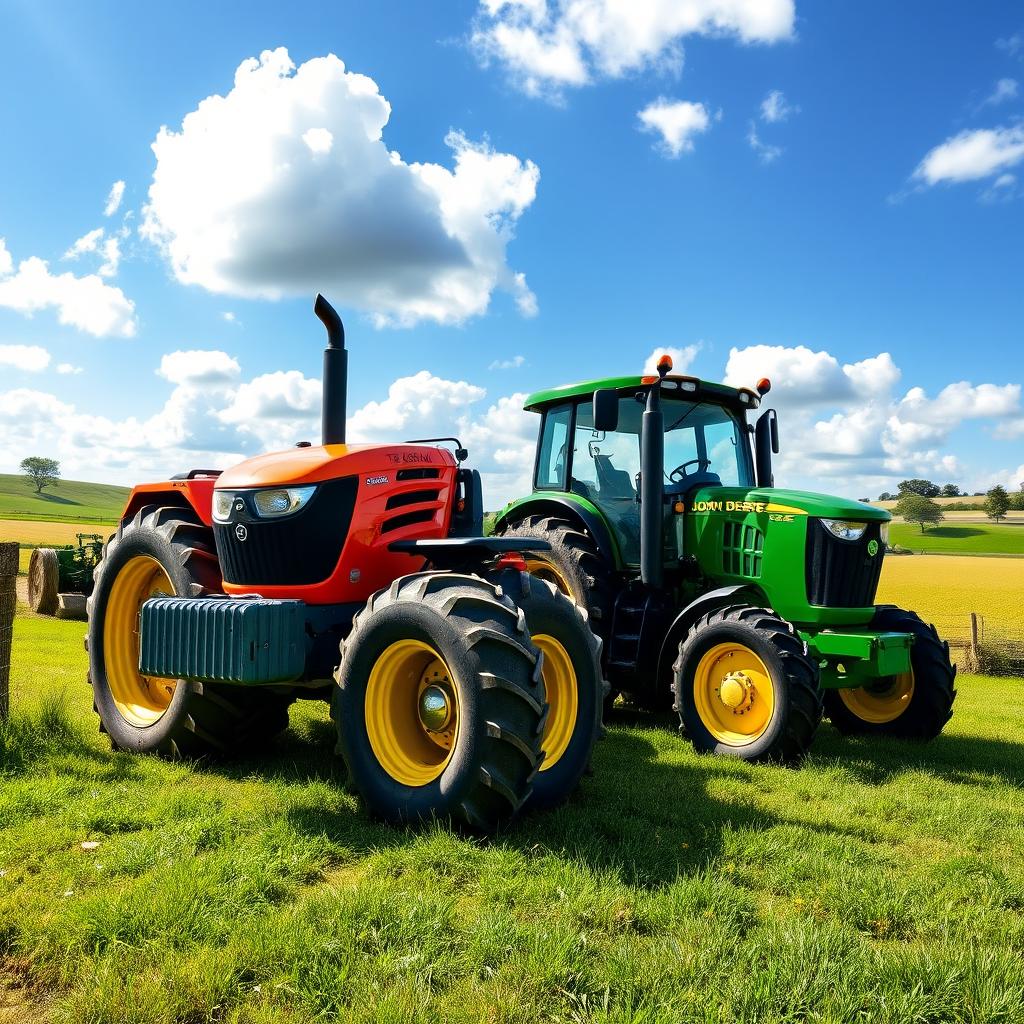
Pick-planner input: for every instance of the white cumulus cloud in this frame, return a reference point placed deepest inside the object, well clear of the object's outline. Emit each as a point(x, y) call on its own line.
point(972, 155)
point(1003, 91)
point(31, 358)
point(199, 366)
point(512, 363)
point(87, 303)
point(682, 358)
point(285, 186)
point(89, 242)
point(676, 122)
point(547, 46)
point(69, 369)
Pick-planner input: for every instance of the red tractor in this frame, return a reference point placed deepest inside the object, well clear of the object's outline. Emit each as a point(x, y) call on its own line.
point(461, 687)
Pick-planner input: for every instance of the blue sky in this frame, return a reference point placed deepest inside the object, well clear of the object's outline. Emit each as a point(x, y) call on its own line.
point(832, 183)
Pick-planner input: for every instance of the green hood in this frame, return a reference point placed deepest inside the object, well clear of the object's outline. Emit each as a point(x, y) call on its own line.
point(809, 502)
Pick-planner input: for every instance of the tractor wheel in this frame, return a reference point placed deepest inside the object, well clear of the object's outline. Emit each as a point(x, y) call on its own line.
point(915, 705)
point(573, 683)
point(439, 702)
point(574, 565)
point(165, 551)
point(745, 687)
point(43, 581)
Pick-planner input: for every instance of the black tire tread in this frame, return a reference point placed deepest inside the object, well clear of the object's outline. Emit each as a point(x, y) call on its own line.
point(805, 696)
point(513, 710)
point(220, 719)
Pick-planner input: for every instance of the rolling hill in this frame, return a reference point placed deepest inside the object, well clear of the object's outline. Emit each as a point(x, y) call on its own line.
point(70, 501)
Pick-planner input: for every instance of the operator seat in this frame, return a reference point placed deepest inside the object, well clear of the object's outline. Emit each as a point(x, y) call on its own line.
point(614, 483)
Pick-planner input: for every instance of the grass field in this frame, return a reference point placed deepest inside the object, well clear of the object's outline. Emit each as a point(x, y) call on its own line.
point(956, 538)
point(880, 882)
point(69, 501)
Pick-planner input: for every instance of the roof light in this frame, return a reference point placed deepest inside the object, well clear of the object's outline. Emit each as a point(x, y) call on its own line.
point(764, 385)
point(665, 364)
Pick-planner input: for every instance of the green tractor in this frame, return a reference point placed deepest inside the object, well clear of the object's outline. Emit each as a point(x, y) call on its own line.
point(60, 579)
point(749, 608)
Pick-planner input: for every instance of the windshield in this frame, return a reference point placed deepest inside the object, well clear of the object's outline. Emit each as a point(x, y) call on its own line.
point(705, 445)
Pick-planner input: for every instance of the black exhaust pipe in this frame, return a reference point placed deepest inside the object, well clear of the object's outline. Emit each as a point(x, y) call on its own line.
point(652, 486)
point(335, 397)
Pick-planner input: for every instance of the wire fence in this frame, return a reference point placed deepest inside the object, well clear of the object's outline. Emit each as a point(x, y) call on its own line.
point(977, 644)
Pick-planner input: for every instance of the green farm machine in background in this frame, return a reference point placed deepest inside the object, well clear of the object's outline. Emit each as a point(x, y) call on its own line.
point(749, 608)
point(60, 579)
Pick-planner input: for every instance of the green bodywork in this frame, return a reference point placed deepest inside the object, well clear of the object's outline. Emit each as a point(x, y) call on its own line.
point(747, 536)
point(76, 563)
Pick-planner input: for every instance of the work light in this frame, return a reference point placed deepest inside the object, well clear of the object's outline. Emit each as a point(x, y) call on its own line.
point(844, 529)
point(222, 505)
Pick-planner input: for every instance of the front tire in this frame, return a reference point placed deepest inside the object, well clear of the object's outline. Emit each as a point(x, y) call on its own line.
point(165, 551)
point(439, 703)
point(745, 687)
point(915, 705)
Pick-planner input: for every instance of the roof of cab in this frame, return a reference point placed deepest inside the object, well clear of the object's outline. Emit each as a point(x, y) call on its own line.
point(539, 399)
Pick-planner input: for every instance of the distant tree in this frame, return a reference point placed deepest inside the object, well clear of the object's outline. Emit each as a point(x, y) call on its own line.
point(866, 501)
point(997, 503)
point(41, 472)
point(916, 508)
point(886, 496)
point(950, 491)
point(917, 486)
point(1017, 499)
point(978, 494)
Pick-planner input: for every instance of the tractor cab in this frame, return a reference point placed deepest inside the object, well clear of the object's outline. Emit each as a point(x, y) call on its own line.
point(591, 445)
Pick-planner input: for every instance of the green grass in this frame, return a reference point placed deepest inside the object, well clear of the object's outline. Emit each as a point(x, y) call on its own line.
point(879, 883)
point(959, 539)
point(70, 501)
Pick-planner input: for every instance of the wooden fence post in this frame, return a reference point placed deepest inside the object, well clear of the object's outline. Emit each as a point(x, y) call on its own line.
point(975, 659)
point(8, 600)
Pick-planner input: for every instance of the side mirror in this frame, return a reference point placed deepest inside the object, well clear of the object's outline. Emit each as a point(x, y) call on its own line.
point(606, 409)
point(766, 442)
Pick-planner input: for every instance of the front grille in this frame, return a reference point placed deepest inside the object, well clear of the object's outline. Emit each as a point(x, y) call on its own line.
point(742, 549)
point(293, 551)
point(841, 573)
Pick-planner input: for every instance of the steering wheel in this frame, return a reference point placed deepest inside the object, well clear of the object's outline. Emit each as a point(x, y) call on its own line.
point(679, 473)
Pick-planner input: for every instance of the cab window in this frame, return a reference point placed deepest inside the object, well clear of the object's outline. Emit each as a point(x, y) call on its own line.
point(553, 454)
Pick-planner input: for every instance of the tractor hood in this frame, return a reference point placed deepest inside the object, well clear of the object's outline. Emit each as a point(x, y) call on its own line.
point(782, 500)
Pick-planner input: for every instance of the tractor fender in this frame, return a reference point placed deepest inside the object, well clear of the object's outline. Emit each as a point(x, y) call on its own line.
point(566, 508)
point(740, 593)
point(196, 495)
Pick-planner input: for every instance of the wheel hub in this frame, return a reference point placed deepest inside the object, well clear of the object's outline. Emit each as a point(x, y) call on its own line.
point(736, 692)
point(435, 708)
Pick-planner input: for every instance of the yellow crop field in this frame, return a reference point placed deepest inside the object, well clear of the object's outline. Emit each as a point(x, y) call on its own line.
point(42, 533)
point(945, 589)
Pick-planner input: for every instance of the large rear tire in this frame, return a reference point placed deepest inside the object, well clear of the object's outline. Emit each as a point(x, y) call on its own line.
point(745, 687)
point(574, 565)
point(43, 581)
point(915, 705)
point(439, 703)
point(573, 683)
point(165, 551)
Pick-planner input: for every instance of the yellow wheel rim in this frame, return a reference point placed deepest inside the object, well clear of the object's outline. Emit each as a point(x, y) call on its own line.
point(562, 695)
point(545, 570)
point(879, 705)
point(141, 700)
point(412, 712)
point(734, 694)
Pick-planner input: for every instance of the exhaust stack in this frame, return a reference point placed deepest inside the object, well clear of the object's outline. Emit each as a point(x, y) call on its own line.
point(335, 395)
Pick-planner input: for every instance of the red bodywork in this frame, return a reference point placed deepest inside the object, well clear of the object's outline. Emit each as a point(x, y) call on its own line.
point(366, 565)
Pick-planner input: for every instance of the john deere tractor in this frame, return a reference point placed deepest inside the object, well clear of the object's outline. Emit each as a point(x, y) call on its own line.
point(461, 686)
point(749, 608)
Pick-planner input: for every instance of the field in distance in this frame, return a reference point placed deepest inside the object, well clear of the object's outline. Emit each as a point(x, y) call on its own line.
point(70, 501)
point(959, 537)
point(945, 589)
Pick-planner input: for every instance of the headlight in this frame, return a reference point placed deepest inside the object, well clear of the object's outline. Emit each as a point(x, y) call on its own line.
point(883, 533)
point(844, 529)
point(281, 500)
point(222, 505)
